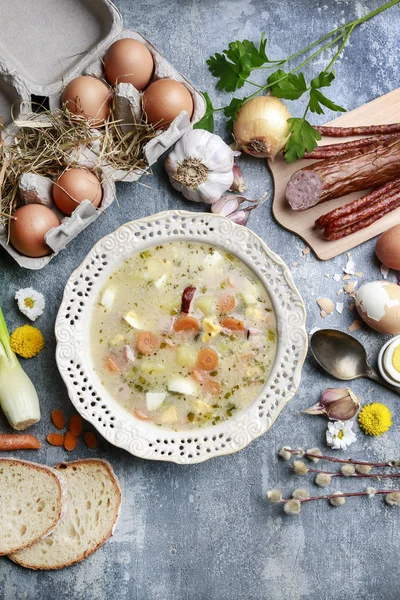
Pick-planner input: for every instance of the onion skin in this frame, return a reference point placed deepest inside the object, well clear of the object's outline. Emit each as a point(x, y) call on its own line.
point(261, 128)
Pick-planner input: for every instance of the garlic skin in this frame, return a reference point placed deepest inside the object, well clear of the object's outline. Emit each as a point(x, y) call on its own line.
point(201, 166)
point(338, 404)
point(238, 184)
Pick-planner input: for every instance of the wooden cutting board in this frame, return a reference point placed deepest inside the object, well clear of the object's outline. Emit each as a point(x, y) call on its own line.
point(385, 109)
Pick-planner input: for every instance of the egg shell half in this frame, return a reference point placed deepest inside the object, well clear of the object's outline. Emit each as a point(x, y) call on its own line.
point(164, 100)
point(27, 232)
point(388, 248)
point(378, 304)
point(129, 61)
point(88, 97)
point(74, 186)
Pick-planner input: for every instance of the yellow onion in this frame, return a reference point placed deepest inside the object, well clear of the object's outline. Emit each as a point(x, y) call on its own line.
point(261, 128)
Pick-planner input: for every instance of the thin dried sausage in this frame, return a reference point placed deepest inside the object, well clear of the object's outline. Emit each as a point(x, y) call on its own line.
point(350, 208)
point(333, 234)
point(362, 130)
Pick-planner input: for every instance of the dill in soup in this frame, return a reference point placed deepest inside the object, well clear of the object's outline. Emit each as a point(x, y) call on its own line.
point(183, 335)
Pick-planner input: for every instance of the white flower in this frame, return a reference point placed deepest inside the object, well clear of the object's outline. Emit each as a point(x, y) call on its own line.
point(340, 435)
point(30, 302)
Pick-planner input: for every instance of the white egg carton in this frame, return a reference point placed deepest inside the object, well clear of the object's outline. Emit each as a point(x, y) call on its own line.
point(42, 47)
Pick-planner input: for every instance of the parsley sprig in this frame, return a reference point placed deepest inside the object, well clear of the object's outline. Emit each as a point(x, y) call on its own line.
point(234, 66)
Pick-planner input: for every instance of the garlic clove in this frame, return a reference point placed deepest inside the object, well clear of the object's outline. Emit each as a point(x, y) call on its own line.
point(240, 217)
point(238, 184)
point(226, 205)
point(338, 404)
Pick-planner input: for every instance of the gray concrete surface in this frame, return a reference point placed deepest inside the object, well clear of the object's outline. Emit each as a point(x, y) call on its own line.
point(205, 532)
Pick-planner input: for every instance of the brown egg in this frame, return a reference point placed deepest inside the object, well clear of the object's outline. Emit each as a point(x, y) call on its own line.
point(378, 304)
point(27, 232)
point(74, 186)
point(388, 248)
point(129, 61)
point(164, 99)
point(88, 97)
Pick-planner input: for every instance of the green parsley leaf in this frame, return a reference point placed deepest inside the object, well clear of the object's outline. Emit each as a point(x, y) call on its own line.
point(317, 99)
point(287, 85)
point(232, 111)
point(234, 66)
point(303, 138)
point(324, 79)
point(207, 121)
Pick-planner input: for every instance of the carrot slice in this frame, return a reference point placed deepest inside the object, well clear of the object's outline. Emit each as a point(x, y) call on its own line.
point(207, 359)
point(55, 439)
point(197, 375)
point(142, 414)
point(70, 441)
point(76, 425)
point(112, 365)
point(90, 440)
point(226, 302)
point(187, 324)
point(147, 342)
point(212, 387)
point(232, 324)
point(58, 419)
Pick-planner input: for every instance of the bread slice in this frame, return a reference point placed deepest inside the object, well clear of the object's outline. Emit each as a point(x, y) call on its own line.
point(93, 505)
point(31, 503)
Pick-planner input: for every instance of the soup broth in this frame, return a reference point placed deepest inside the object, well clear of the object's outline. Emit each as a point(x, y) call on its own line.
point(183, 335)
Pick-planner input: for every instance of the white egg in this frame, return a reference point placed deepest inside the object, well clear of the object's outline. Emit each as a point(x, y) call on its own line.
point(378, 303)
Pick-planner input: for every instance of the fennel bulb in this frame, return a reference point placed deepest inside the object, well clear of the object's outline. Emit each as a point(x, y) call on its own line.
point(18, 397)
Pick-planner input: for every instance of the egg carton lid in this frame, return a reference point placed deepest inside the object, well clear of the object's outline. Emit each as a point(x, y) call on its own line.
point(44, 41)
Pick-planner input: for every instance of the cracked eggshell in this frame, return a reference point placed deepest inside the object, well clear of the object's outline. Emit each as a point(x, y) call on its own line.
point(378, 304)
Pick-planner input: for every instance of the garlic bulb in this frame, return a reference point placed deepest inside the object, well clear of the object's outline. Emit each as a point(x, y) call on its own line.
point(201, 166)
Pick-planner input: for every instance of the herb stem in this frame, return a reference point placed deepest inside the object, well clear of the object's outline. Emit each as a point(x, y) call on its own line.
point(351, 24)
point(342, 45)
point(301, 65)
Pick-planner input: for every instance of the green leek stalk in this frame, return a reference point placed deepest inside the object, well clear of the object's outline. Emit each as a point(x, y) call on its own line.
point(18, 397)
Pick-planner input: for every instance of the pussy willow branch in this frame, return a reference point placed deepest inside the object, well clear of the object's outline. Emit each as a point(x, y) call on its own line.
point(348, 461)
point(370, 475)
point(344, 495)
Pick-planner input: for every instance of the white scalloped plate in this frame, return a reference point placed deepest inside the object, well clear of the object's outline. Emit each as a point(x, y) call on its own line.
point(145, 439)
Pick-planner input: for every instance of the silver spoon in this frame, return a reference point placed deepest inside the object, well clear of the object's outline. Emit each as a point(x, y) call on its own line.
point(344, 357)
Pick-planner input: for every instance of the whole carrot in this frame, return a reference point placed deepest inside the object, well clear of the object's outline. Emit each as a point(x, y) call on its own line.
point(18, 441)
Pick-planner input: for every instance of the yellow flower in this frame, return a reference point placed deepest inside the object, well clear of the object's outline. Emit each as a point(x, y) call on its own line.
point(27, 341)
point(375, 418)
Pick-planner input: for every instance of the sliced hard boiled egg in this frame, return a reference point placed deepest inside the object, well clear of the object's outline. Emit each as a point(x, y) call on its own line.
point(180, 385)
point(169, 415)
point(211, 329)
point(391, 360)
point(213, 259)
point(154, 400)
point(160, 282)
point(132, 320)
point(107, 298)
